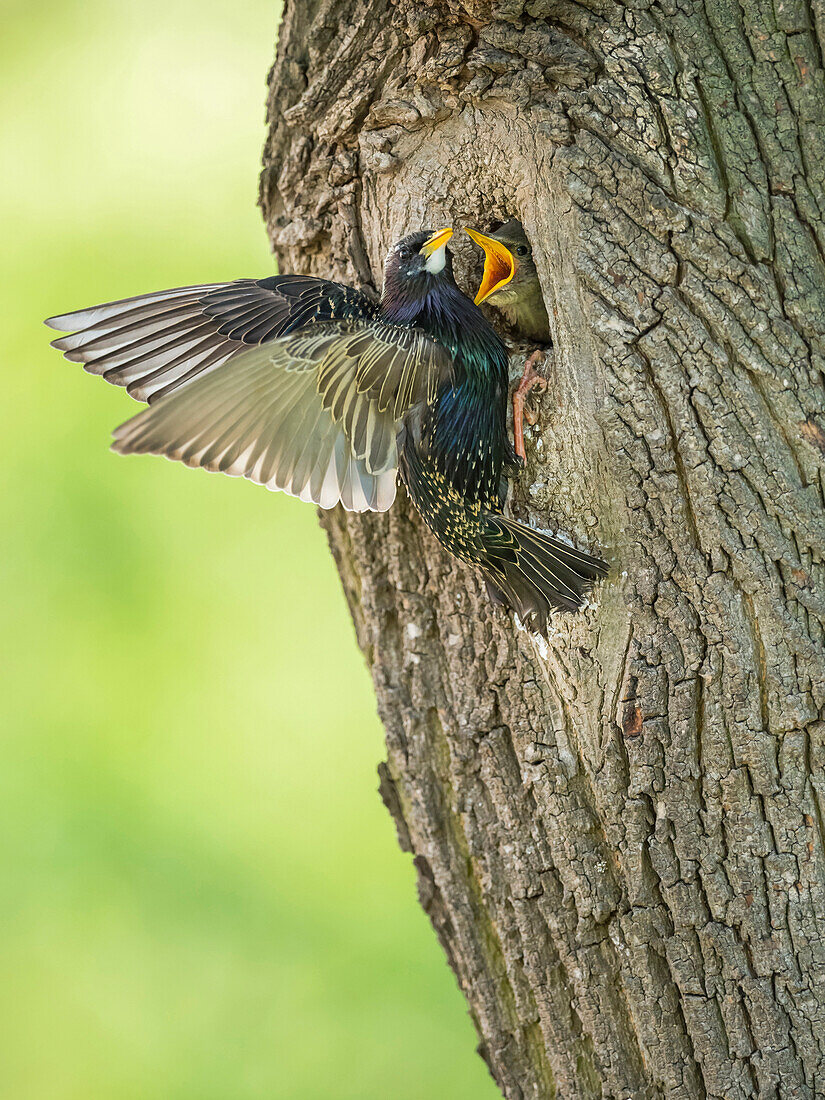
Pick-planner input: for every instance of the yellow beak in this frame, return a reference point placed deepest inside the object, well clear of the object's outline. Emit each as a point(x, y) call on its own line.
point(436, 241)
point(499, 265)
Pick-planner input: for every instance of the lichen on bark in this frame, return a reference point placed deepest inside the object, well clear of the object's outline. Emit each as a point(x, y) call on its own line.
point(618, 833)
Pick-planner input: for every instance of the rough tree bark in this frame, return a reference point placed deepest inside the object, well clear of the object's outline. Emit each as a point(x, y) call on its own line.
point(618, 834)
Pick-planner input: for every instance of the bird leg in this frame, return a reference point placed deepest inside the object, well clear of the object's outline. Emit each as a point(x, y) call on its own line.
point(529, 380)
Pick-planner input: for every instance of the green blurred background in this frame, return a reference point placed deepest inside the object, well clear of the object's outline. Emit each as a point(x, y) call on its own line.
point(202, 893)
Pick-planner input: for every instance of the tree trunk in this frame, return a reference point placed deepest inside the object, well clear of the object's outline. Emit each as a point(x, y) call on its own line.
point(618, 832)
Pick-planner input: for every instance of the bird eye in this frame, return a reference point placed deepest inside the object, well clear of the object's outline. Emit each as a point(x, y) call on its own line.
point(522, 250)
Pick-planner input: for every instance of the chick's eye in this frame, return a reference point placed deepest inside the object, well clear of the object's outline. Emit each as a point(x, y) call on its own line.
point(522, 250)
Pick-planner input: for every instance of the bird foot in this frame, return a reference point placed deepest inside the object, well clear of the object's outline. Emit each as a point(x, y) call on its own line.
point(529, 381)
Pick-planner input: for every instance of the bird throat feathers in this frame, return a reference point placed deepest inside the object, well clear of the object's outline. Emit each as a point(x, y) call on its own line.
point(439, 308)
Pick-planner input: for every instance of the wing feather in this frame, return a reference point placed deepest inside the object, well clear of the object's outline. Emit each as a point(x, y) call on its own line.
point(96, 315)
point(250, 417)
point(156, 343)
point(314, 412)
point(371, 365)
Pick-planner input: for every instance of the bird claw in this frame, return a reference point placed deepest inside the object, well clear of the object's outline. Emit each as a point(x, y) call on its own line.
point(529, 381)
point(530, 415)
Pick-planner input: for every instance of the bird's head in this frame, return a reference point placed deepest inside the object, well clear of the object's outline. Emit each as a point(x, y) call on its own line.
point(417, 262)
point(509, 269)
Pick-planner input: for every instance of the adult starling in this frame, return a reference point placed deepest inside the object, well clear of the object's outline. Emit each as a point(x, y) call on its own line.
point(510, 282)
point(308, 386)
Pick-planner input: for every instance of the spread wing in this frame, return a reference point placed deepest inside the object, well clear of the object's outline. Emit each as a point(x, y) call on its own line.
point(156, 343)
point(314, 414)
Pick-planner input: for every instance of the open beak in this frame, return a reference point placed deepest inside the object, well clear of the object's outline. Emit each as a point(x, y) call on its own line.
point(438, 240)
point(499, 265)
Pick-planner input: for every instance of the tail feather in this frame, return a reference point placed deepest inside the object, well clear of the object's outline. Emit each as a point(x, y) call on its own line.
point(534, 573)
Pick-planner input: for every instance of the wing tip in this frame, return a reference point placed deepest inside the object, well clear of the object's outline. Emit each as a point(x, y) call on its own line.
point(123, 434)
point(120, 447)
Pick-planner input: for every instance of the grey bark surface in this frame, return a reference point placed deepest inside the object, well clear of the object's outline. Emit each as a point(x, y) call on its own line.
point(618, 833)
